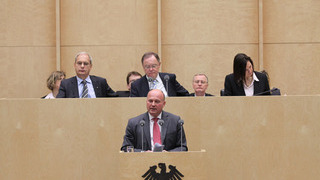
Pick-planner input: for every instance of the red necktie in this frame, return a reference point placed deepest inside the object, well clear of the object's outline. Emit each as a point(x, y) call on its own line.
point(156, 131)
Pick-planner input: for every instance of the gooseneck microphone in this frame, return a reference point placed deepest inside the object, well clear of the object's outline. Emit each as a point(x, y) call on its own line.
point(161, 122)
point(181, 122)
point(166, 78)
point(265, 92)
point(150, 80)
point(142, 122)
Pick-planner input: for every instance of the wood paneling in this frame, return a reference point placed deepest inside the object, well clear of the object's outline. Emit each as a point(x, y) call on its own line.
point(27, 47)
point(100, 22)
point(289, 21)
point(26, 70)
point(294, 68)
point(244, 137)
point(209, 21)
point(192, 165)
point(27, 23)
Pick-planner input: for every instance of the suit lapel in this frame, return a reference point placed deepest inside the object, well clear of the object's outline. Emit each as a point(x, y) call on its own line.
point(165, 85)
point(74, 85)
point(164, 126)
point(163, 81)
point(241, 89)
point(95, 86)
point(146, 130)
point(255, 86)
point(145, 86)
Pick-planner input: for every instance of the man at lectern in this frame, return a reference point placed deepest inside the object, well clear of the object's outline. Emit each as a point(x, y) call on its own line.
point(84, 85)
point(155, 128)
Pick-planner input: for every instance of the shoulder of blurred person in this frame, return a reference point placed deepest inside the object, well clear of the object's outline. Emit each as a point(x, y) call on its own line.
point(123, 93)
point(206, 94)
point(230, 85)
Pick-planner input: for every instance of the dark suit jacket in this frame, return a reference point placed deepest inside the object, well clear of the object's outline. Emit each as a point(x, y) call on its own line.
point(206, 94)
point(123, 93)
point(231, 88)
point(69, 88)
point(170, 133)
point(140, 87)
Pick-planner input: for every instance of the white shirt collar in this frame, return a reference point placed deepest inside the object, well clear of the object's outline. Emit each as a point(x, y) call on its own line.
point(150, 116)
point(255, 78)
point(249, 90)
point(79, 80)
point(157, 78)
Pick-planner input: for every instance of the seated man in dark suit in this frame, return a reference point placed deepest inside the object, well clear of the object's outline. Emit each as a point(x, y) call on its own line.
point(84, 85)
point(200, 85)
point(168, 134)
point(131, 77)
point(166, 82)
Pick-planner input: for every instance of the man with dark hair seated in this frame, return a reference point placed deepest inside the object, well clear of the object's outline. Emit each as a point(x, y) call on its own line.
point(131, 77)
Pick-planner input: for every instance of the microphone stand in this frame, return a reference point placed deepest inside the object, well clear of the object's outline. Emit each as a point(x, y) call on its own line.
point(269, 91)
point(166, 78)
point(142, 122)
point(181, 122)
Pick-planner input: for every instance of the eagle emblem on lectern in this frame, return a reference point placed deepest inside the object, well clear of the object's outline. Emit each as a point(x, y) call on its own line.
point(151, 174)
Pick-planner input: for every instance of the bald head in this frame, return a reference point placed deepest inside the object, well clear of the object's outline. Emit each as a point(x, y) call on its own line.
point(155, 102)
point(156, 92)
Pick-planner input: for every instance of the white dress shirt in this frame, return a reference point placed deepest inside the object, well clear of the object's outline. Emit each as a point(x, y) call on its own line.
point(249, 90)
point(159, 85)
point(50, 96)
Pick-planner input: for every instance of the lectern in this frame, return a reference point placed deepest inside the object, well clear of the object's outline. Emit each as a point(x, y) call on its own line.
point(186, 165)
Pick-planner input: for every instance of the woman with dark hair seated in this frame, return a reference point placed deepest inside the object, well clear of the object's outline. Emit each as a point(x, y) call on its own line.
point(244, 81)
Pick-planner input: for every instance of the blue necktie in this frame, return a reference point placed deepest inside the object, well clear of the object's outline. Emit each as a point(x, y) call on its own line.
point(85, 90)
point(153, 84)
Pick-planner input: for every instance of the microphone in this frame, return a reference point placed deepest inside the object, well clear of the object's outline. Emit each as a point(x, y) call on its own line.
point(166, 78)
point(269, 91)
point(142, 122)
point(150, 79)
point(161, 122)
point(181, 122)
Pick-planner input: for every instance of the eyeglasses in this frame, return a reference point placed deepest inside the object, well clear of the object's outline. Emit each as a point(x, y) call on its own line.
point(84, 63)
point(151, 66)
point(198, 81)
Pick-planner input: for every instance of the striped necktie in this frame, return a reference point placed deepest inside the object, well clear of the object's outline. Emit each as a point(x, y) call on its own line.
point(85, 90)
point(154, 84)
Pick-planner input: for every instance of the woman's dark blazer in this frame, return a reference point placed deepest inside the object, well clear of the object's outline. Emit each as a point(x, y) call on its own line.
point(231, 88)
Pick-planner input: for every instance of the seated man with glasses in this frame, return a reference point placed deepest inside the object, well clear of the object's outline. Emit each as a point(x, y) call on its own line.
point(84, 85)
point(200, 85)
point(153, 79)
